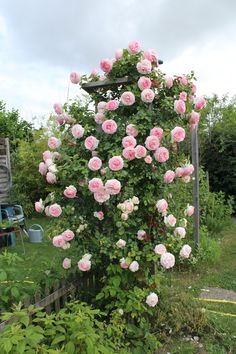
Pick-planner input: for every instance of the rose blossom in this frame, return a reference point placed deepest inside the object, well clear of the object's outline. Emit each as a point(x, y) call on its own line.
point(74, 77)
point(68, 235)
point(43, 168)
point(167, 260)
point(152, 300)
point(70, 192)
point(52, 168)
point(186, 179)
point(162, 206)
point(84, 265)
point(141, 234)
point(160, 249)
point(147, 96)
point(151, 55)
point(131, 130)
point(77, 131)
point(152, 142)
point(188, 170)
point(101, 107)
point(180, 231)
point(106, 65)
point(178, 134)
point(109, 126)
point(169, 176)
point(144, 83)
point(144, 66)
point(66, 264)
point(99, 118)
point(127, 98)
point(170, 220)
point(39, 207)
point(95, 164)
point(179, 171)
point(58, 108)
point(112, 105)
point(103, 171)
point(148, 159)
point(47, 155)
point(179, 106)
point(94, 72)
point(118, 53)
point(129, 153)
point(134, 266)
point(91, 143)
point(58, 241)
point(185, 251)
point(156, 131)
point(121, 243)
point(140, 151)
point(99, 215)
point(183, 80)
point(95, 185)
point(55, 210)
point(189, 211)
point(101, 195)
point(194, 117)
point(113, 186)
point(161, 154)
point(116, 163)
point(123, 263)
point(124, 216)
point(183, 95)
point(169, 82)
point(199, 103)
point(53, 142)
point(51, 178)
point(129, 141)
point(134, 47)
point(49, 162)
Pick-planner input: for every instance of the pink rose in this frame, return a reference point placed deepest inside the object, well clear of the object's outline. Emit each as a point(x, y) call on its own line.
point(112, 105)
point(84, 265)
point(134, 266)
point(152, 142)
point(186, 179)
point(194, 117)
point(147, 96)
point(178, 134)
point(47, 211)
point(55, 210)
point(51, 178)
point(180, 231)
point(129, 206)
point(101, 107)
point(189, 211)
point(134, 47)
point(148, 159)
point(179, 171)
point(152, 300)
point(199, 103)
point(123, 263)
point(183, 95)
point(185, 251)
point(170, 220)
point(169, 176)
point(95, 185)
point(99, 118)
point(58, 108)
point(113, 186)
point(127, 98)
point(109, 126)
point(188, 170)
point(39, 207)
point(179, 106)
point(161, 154)
point(99, 215)
point(94, 72)
point(95, 164)
point(160, 249)
point(169, 82)
point(47, 155)
point(101, 196)
point(43, 168)
point(58, 241)
point(131, 130)
point(124, 216)
point(194, 88)
point(53, 142)
point(144, 66)
point(70, 192)
point(121, 243)
point(129, 153)
point(141, 234)
point(162, 206)
point(167, 260)
point(74, 77)
point(66, 264)
point(150, 55)
point(156, 131)
point(77, 131)
point(68, 235)
point(116, 163)
point(106, 65)
point(140, 151)
point(144, 83)
point(183, 80)
point(91, 143)
point(118, 54)
point(129, 141)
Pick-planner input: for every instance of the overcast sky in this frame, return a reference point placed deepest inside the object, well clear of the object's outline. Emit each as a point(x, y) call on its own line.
point(42, 41)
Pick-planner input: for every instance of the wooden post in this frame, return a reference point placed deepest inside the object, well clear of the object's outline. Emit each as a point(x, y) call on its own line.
point(195, 162)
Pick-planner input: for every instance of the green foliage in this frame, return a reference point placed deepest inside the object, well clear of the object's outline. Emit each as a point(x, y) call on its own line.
point(210, 249)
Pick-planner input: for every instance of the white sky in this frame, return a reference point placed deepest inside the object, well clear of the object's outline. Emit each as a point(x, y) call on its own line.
point(42, 41)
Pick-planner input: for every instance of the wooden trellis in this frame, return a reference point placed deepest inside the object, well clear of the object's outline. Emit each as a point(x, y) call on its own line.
point(93, 86)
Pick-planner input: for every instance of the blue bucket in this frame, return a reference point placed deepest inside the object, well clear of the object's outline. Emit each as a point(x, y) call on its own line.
point(35, 233)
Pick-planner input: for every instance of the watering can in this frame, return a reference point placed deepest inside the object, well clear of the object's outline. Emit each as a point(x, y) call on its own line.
point(35, 233)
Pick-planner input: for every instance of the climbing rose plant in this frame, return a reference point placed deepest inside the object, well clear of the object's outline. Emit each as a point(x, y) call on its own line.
point(117, 175)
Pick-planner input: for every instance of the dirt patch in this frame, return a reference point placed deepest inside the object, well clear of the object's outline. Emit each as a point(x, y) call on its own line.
point(218, 294)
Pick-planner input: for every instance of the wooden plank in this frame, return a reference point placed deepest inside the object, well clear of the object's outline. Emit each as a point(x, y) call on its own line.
point(57, 300)
point(94, 85)
point(53, 296)
point(195, 162)
point(48, 307)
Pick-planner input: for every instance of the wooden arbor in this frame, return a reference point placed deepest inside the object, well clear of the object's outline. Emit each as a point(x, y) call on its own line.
point(94, 86)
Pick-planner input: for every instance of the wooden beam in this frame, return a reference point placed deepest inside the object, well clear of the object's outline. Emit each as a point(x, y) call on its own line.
point(94, 85)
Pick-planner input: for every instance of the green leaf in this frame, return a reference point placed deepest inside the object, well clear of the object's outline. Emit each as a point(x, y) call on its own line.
point(15, 292)
point(7, 345)
point(21, 347)
point(58, 339)
point(70, 348)
point(3, 275)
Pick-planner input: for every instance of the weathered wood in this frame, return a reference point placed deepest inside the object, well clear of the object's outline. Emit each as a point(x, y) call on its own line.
point(195, 162)
point(57, 300)
point(95, 85)
point(47, 293)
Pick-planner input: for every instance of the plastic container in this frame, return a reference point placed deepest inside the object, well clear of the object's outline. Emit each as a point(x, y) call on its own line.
point(35, 233)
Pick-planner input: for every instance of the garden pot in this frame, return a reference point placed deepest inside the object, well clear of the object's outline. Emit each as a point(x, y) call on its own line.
point(35, 233)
